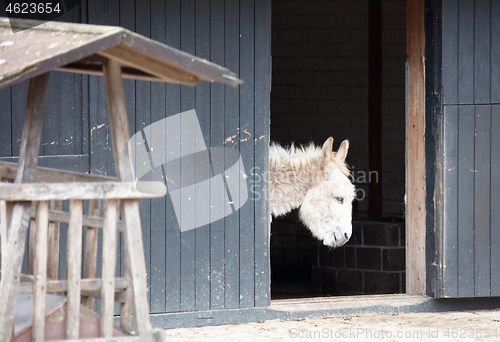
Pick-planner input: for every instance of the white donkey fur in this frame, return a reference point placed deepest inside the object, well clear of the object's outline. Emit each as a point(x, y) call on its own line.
point(316, 180)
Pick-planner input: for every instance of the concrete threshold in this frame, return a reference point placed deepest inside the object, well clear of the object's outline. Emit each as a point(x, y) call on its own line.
point(302, 308)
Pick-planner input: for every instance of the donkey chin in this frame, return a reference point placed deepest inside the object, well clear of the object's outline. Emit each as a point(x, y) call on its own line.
point(337, 237)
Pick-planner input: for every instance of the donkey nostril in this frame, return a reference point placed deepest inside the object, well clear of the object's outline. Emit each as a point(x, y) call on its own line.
point(346, 236)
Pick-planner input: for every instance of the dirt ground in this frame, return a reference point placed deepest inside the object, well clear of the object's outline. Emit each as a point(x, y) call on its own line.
point(480, 325)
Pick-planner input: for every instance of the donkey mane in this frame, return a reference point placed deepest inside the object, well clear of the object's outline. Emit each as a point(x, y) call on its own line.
point(300, 158)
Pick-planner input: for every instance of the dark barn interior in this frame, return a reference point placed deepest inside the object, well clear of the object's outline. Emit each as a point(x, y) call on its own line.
point(338, 69)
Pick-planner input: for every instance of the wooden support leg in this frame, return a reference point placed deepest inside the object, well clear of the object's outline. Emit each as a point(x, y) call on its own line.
point(5, 210)
point(74, 265)
point(40, 271)
point(91, 250)
point(126, 307)
point(30, 145)
point(53, 249)
point(108, 267)
point(32, 246)
point(120, 136)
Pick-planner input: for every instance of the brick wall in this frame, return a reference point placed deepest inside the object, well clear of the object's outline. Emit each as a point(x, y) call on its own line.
point(372, 262)
point(320, 84)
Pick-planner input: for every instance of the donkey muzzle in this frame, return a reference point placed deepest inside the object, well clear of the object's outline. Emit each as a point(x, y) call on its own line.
point(336, 237)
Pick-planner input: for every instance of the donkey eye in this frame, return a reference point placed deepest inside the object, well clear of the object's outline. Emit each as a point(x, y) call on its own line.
point(339, 199)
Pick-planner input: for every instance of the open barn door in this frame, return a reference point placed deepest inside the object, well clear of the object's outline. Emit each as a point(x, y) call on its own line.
point(466, 262)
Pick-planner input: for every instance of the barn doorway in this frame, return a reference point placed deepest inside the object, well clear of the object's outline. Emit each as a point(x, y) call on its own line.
point(320, 88)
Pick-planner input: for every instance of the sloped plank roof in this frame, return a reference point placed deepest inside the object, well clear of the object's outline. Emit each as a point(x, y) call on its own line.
point(84, 48)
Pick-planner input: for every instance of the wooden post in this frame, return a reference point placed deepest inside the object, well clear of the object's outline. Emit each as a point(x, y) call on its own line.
point(415, 150)
point(108, 267)
point(375, 85)
point(30, 145)
point(74, 266)
point(40, 270)
point(90, 266)
point(54, 234)
point(120, 136)
point(32, 246)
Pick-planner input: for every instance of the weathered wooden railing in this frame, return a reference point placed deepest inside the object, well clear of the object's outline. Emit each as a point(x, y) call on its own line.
point(46, 216)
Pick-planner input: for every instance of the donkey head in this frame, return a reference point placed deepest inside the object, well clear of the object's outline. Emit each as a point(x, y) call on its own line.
point(327, 207)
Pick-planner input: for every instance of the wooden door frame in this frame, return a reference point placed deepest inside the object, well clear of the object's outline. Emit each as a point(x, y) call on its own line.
point(415, 149)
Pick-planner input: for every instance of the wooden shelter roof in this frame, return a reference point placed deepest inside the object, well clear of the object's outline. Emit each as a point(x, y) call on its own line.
point(82, 48)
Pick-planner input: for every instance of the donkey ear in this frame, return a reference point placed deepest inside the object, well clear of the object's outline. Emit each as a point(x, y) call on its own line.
point(342, 152)
point(326, 151)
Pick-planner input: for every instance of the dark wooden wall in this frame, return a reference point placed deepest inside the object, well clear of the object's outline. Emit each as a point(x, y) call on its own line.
point(223, 265)
point(471, 146)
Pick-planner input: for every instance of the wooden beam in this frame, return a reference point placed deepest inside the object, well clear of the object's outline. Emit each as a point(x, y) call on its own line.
point(54, 286)
point(13, 257)
point(375, 85)
point(96, 69)
point(150, 65)
point(87, 221)
point(66, 191)
point(415, 149)
point(48, 175)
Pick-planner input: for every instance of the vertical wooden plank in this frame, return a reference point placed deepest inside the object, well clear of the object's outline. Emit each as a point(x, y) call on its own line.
point(5, 151)
point(40, 271)
point(217, 139)
point(54, 242)
point(188, 195)
point(5, 128)
point(482, 204)
point(202, 234)
point(450, 50)
point(247, 136)
point(31, 247)
point(158, 222)
point(173, 235)
point(30, 145)
point(108, 267)
point(74, 265)
point(415, 148)
point(120, 136)
point(142, 120)
point(262, 101)
point(4, 212)
point(231, 128)
point(126, 307)
point(52, 125)
point(90, 265)
point(450, 160)
point(495, 199)
point(19, 94)
point(465, 195)
point(465, 52)
point(482, 69)
point(495, 52)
